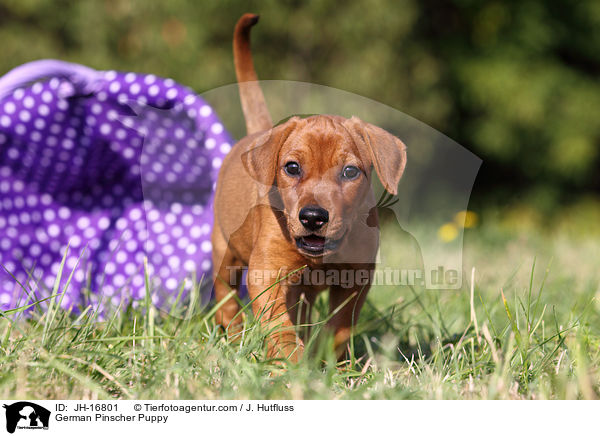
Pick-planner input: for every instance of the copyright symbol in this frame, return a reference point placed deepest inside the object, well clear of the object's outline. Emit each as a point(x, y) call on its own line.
point(137, 407)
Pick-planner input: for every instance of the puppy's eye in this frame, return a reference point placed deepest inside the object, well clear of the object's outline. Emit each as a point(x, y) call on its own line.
point(292, 169)
point(350, 172)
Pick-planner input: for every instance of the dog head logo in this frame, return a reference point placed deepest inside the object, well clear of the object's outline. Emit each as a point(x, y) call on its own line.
point(26, 415)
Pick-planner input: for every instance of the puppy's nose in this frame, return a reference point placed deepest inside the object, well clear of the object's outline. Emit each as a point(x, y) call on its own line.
point(313, 217)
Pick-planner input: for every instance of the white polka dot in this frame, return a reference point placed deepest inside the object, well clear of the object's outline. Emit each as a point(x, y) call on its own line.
point(68, 144)
point(121, 257)
point(41, 235)
point(157, 167)
point(64, 213)
point(217, 161)
point(176, 208)
point(5, 121)
point(43, 110)
point(153, 215)
point(164, 272)
point(39, 123)
point(9, 107)
point(105, 129)
point(171, 283)
point(114, 87)
point(46, 259)
point(71, 262)
point(18, 94)
point(75, 241)
point(103, 223)
point(25, 218)
point(149, 79)
point(174, 262)
point(47, 96)
point(183, 242)
point(210, 143)
point(195, 232)
point(130, 268)
point(206, 265)
point(205, 110)
point(135, 88)
point(28, 102)
point(135, 214)
point(53, 230)
point(177, 231)
point(83, 222)
point(216, 128)
point(158, 227)
point(187, 219)
point(46, 199)
point(171, 93)
point(108, 290)
point(110, 268)
point(170, 219)
point(119, 280)
point(49, 215)
point(131, 245)
point(138, 281)
point(225, 148)
point(153, 90)
point(206, 246)
point(110, 75)
point(129, 77)
point(35, 250)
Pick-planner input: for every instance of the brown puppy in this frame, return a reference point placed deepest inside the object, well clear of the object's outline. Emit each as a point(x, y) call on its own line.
point(298, 195)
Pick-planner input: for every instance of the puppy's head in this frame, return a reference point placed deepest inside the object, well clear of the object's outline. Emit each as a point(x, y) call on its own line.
point(321, 167)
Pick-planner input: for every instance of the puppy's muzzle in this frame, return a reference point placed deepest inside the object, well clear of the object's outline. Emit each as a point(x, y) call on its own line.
point(313, 217)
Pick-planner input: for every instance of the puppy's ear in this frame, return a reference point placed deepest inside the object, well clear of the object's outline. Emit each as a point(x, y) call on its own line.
point(261, 158)
point(387, 152)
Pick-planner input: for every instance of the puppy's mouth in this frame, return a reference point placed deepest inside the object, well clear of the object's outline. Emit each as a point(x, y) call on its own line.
point(314, 245)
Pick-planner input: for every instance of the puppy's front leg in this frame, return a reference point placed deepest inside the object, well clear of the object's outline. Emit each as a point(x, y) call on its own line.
point(346, 302)
point(271, 303)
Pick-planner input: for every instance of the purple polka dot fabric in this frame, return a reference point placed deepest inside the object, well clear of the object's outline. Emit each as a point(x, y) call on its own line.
point(119, 167)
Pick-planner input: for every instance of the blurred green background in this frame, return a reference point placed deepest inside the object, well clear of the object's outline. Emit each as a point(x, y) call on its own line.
point(515, 82)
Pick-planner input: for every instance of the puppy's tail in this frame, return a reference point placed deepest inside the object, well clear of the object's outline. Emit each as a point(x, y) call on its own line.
point(254, 106)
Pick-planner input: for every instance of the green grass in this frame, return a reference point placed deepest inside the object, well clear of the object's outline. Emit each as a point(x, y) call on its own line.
point(528, 327)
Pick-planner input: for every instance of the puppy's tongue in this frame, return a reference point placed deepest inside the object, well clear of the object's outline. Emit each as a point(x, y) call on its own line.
point(314, 241)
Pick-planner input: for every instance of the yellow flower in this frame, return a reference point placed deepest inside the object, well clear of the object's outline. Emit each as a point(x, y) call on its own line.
point(466, 218)
point(448, 232)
